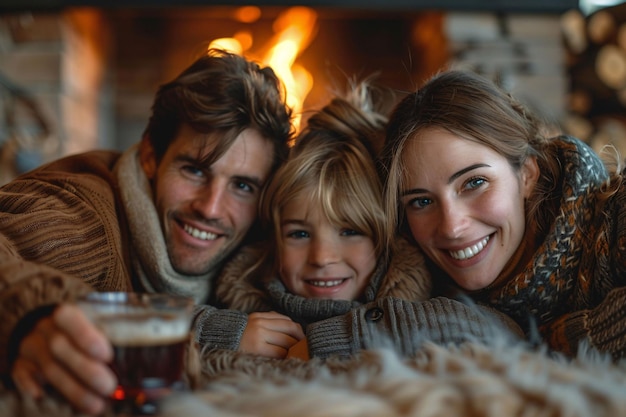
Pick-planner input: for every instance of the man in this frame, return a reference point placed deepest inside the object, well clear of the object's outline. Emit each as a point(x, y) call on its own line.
point(164, 216)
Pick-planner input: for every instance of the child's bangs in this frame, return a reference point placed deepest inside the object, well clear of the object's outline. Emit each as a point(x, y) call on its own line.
point(342, 203)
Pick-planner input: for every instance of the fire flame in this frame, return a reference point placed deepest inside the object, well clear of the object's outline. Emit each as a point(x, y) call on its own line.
point(294, 29)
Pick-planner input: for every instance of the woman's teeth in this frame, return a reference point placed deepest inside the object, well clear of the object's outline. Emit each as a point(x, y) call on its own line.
point(471, 251)
point(200, 234)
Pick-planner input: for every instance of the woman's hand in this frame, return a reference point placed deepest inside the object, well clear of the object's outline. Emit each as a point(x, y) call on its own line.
point(67, 352)
point(270, 334)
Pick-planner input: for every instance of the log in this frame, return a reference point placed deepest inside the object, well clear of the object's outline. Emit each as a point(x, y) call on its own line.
point(610, 66)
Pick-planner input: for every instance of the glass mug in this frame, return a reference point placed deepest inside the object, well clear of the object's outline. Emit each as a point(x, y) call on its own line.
point(149, 334)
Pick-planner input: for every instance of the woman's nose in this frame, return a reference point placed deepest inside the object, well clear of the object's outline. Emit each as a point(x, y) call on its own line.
point(453, 221)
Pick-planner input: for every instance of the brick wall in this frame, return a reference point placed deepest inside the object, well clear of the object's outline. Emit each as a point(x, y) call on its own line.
point(93, 72)
point(52, 73)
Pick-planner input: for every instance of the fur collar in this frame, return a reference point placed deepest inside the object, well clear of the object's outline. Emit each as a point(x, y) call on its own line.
point(404, 277)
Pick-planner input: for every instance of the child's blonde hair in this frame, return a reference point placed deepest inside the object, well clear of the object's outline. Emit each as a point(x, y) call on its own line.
point(333, 163)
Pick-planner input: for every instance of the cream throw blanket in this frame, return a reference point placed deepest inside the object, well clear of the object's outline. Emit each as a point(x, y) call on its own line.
point(469, 381)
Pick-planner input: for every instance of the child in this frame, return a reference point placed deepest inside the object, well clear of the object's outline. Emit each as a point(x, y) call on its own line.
point(324, 212)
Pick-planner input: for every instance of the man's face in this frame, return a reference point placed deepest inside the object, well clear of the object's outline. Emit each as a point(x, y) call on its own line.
point(206, 212)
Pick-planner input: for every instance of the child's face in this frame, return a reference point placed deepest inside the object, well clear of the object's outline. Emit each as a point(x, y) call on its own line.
point(320, 260)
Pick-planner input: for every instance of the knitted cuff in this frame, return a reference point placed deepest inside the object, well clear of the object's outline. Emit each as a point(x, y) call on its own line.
point(606, 324)
point(443, 320)
point(332, 336)
point(567, 333)
point(219, 329)
point(22, 328)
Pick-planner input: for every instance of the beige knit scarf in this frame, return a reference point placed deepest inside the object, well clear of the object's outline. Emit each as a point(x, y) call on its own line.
point(151, 263)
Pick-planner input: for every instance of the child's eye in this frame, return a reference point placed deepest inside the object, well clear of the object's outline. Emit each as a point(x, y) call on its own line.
point(350, 232)
point(420, 202)
point(298, 234)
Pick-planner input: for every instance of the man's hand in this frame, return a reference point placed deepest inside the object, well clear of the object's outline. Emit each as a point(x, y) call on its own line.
point(270, 334)
point(67, 352)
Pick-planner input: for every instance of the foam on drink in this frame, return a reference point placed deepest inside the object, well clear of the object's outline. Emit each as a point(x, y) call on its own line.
point(143, 330)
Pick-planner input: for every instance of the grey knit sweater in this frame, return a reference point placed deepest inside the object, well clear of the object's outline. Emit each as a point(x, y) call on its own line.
point(395, 310)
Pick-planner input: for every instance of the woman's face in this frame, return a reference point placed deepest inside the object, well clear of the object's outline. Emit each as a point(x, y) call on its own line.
point(320, 260)
point(464, 204)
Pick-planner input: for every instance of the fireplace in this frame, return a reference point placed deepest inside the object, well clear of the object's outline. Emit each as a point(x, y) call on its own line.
point(321, 48)
point(107, 62)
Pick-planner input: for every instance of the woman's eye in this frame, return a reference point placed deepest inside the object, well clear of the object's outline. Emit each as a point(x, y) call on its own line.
point(244, 187)
point(474, 183)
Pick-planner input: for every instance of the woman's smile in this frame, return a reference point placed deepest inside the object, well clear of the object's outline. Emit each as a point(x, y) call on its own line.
point(464, 204)
point(470, 251)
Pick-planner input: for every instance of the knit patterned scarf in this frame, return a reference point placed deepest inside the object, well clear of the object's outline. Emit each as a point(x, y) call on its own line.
point(543, 290)
point(150, 260)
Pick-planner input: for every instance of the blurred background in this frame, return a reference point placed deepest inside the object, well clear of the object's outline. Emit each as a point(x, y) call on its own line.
point(81, 74)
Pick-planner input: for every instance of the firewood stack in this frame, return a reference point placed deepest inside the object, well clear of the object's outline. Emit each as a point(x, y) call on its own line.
point(595, 48)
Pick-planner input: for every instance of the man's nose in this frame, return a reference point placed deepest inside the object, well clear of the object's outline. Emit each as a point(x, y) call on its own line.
point(211, 201)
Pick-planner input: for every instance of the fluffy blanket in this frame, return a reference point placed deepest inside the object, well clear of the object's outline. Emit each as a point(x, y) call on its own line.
point(471, 380)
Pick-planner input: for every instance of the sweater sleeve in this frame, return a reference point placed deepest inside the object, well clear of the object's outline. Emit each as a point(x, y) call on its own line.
point(218, 328)
point(59, 237)
point(602, 328)
point(27, 287)
point(405, 326)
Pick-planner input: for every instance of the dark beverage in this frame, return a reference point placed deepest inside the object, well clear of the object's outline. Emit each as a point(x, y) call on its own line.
point(147, 368)
point(149, 334)
point(148, 357)
point(147, 373)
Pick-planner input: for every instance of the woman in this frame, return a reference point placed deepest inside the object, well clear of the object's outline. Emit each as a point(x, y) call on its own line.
point(327, 264)
point(528, 225)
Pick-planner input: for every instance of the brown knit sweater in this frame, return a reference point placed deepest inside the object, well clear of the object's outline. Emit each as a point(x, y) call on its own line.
point(88, 222)
point(56, 224)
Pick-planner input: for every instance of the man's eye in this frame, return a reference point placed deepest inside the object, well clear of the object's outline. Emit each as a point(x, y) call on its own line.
point(193, 171)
